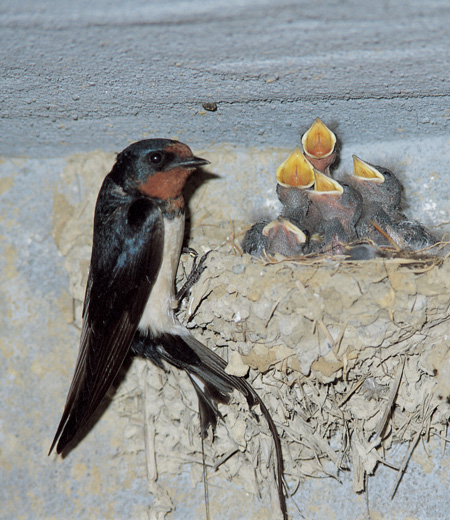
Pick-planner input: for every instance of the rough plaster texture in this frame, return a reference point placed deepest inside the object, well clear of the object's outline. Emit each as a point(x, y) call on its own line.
point(97, 74)
point(102, 74)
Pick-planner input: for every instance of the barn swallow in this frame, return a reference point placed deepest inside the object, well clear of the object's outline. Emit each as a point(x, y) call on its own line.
point(287, 235)
point(381, 192)
point(319, 146)
point(285, 238)
point(334, 211)
point(282, 235)
point(294, 175)
point(296, 171)
point(376, 184)
point(129, 302)
point(382, 219)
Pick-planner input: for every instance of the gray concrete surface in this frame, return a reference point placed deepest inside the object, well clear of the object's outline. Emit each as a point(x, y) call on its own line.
point(81, 75)
point(98, 75)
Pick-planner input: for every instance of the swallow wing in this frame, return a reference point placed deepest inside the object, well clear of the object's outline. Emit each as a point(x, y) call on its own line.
point(126, 257)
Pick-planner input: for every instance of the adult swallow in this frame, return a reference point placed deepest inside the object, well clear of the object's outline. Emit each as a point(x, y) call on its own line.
point(319, 144)
point(129, 302)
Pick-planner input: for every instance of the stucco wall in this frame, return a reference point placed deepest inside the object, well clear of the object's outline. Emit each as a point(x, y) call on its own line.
point(82, 75)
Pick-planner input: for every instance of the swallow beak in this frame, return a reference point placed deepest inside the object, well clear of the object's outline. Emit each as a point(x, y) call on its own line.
point(365, 171)
point(319, 141)
point(326, 185)
point(284, 238)
point(296, 171)
point(192, 162)
point(287, 227)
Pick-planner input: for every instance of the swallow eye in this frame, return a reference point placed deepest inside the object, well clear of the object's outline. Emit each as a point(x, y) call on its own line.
point(156, 157)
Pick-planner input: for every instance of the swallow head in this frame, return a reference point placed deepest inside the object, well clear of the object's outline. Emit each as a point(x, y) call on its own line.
point(285, 238)
point(324, 185)
point(362, 170)
point(157, 168)
point(318, 144)
point(296, 171)
point(393, 188)
point(319, 141)
point(380, 183)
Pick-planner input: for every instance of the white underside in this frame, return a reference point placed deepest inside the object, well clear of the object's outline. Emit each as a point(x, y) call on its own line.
point(158, 316)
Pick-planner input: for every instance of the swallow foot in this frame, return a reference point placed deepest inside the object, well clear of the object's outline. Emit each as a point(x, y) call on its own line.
point(197, 269)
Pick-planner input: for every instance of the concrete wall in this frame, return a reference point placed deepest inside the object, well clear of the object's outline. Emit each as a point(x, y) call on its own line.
point(78, 76)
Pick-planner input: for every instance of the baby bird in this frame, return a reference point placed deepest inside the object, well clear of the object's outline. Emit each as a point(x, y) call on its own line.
point(332, 215)
point(319, 146)
point(382, 219)
point(285, 235)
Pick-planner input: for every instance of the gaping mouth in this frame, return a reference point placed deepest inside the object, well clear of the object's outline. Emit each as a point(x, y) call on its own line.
point(296, 171)
point(319, 141)
point(366, 171)
point(281, 225)
point(326, 185)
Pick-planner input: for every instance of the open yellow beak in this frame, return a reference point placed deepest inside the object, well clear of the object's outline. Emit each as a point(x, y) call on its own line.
point(326, 185)
point(300, 237)
point(296, 171)
point(319, 141)
point(366, 171)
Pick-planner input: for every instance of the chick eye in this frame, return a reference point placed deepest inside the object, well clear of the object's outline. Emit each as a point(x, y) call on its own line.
point(156, 157)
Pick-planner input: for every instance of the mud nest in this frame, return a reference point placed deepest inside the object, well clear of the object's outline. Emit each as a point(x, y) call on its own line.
point(353, 356)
